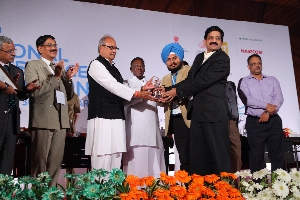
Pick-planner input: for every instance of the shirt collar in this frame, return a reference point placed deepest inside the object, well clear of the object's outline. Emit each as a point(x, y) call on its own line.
point(251, 76)
point(46, 61)
point(143, 80)
point(1, 63)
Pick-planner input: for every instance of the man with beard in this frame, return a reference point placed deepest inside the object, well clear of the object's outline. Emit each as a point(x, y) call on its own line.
point(206, 82)
point(145, 149)
point(9, 105)
point(262, 97)
point(176, 121)
point(48, 108)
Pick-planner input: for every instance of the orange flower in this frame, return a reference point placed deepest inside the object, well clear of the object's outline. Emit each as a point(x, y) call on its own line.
point(177, 191)
point(228, 175)
point(211, 178)
point(182, 176)
point(126, 196)
point(208, 192)
point(222, 185)
point(133, 181)
point(161, 193)
point(234, 193)
point(167, 179)
point(140, 194)
point(222, 194)
point(192, 196)
point(196, 188)
point(197, 178)
point(148, 180)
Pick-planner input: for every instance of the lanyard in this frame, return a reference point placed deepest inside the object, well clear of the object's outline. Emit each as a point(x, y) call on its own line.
point(174, 77)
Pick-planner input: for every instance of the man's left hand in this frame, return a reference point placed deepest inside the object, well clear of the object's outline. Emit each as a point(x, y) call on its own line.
point(264, 117)
point(168, 96)
point(16, 77)
point(148, 86)
point(72, 71)
point(32, 86)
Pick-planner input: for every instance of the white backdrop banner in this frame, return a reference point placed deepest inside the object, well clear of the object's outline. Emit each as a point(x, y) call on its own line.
point(78, 26)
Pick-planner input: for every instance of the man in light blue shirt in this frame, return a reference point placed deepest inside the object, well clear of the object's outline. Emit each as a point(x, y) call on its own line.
point(262, 98)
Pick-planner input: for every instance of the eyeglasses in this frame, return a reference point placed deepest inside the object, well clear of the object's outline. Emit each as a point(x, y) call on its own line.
point(111, 47)
point(50, 45)
point(10, 51)
point(212, 37)
point(254, 64)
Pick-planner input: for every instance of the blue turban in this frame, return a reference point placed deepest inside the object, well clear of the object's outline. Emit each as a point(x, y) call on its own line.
point(172, 47)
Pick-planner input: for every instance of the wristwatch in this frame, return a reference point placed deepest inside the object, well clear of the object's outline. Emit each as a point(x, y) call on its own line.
point(7, 85)
point(267, 112)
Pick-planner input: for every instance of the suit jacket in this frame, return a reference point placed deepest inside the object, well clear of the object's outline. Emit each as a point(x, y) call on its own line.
point(4, 100)
point(42, 112)
point(167, 82)
point(206, 81)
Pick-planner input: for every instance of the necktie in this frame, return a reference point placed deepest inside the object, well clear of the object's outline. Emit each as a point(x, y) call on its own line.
point(56, 105)
point(11, 98)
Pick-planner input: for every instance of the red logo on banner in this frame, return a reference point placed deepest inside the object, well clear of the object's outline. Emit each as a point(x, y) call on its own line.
point(176, 39)
point(201, 45)
point(251, 51)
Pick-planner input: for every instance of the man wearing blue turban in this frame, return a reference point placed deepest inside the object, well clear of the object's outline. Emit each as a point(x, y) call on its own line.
point(206, 82)
point(176, 121)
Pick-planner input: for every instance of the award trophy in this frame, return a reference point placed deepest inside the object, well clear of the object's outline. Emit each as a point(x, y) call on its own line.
point(157, 83)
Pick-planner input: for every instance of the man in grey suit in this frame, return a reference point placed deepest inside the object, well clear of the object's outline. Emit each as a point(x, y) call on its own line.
point(48, 115)
point(9, 105)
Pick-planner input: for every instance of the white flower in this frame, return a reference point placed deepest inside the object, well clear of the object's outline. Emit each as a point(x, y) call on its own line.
point(249, 197)
point(244, 183)
point(243, 174)
point(280, 189)
point(258, 186)
point(295, 175)
point(283, 175)
point(265, 194)
point(294, 189)
point(250, 188)
point(261, 174)
point(296, 194)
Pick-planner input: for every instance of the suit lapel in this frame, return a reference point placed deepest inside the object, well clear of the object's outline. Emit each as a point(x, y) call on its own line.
point(168, 80)
point(45, 68)
point(204, 64)
point(180, 75)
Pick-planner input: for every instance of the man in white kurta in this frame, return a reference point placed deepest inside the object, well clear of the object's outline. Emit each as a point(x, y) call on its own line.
point(106, 138)
point(145, 150)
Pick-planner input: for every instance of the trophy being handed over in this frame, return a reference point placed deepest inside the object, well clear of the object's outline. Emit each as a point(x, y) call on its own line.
point(157, 83)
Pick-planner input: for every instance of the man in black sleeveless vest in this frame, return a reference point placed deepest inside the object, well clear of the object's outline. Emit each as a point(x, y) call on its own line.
point(106, 139)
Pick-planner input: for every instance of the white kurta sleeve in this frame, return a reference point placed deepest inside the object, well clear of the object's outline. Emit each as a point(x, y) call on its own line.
point(102, 76)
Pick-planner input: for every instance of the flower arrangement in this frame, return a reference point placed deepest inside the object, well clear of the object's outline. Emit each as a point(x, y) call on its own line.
point(100, 184)
point(287, 131)
point(267, 185)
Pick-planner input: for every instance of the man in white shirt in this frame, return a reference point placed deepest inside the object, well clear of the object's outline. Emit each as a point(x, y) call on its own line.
point(106, 138)
point(145, 150)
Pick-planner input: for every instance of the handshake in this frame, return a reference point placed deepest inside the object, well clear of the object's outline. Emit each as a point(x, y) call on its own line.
point(154, 91)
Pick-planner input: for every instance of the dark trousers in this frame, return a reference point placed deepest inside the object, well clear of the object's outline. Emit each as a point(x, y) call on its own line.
point(235, 146)
point(261, 134)
point(209, 148)
point(7, 146)
point(182, 140)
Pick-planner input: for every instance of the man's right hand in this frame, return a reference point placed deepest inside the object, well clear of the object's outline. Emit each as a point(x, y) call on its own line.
point(272, 109)
point(10, 90)
point(58, 69)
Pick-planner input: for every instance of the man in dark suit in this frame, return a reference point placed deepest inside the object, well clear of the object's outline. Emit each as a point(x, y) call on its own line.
point(206, 83)
point(9, 105)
